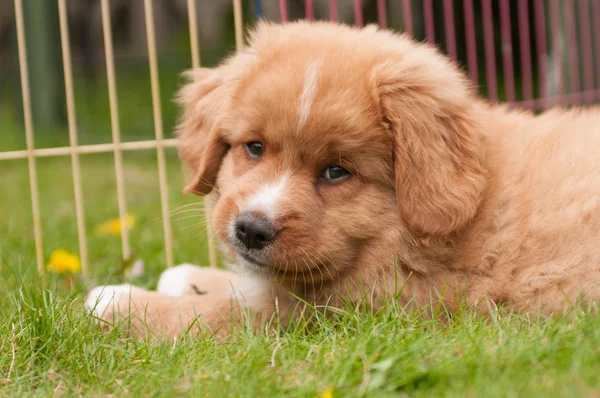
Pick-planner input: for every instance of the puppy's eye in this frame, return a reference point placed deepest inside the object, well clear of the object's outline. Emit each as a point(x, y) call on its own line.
point(334, 174)
point(254, 149)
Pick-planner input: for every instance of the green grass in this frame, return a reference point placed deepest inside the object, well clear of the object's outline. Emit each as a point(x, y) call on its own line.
point(49, 345)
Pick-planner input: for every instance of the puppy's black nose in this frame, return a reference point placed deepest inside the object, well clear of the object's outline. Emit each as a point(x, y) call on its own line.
point(254, 230)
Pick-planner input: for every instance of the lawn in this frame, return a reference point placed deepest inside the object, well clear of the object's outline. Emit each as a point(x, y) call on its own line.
point(49, 345)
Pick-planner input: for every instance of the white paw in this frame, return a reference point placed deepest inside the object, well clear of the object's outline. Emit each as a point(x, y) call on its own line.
point(187, 279)
point(101, 297)
point(178, 281)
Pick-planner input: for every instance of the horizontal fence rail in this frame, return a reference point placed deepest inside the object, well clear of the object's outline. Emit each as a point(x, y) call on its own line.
point(532, 54)
point(86, 149)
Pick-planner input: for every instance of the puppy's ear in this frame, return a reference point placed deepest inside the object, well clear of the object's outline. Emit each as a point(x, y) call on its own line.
point(200, 145)
point(205, 100)
point(430, 111)
point(205, 178)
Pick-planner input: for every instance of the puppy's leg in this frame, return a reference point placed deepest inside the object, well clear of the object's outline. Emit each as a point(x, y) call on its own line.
point(102, 297)
point(153, 313)
point(187, 279)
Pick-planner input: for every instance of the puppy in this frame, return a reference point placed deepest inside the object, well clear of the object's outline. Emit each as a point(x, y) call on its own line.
point(357, 164)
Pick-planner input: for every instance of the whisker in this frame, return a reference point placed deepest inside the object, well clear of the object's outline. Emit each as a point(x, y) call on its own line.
point(188, 210)
point(198, 203)
point(285, 270)
point(201, 225)
point(196, 216)
point(203, 230)
point(316, 266)
point(295, 276)
point(212, 187)
point(311, 278)
point(330, 257)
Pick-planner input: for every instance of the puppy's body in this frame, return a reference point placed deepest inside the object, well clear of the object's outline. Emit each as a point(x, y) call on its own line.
point(363, 163)
point(536, 235)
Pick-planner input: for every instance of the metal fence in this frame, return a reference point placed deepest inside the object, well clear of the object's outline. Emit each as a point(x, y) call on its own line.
point(551, 57)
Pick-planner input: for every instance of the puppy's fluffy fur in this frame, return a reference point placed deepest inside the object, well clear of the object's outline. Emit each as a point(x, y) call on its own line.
point(446, 194)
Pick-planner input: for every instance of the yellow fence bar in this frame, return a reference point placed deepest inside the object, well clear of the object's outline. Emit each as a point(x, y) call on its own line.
point(209, 199)
point(114, 120)
point(194, 44)
point(158, 131)
point(237, 21)
point(78, 192)
point(24, 71)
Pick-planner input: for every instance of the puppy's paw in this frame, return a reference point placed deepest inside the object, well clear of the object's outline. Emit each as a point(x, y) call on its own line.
point(179, 281)
point(102, 298)
point(187, 279)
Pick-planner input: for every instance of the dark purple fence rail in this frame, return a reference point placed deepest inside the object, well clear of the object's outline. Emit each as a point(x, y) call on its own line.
point(530, 53)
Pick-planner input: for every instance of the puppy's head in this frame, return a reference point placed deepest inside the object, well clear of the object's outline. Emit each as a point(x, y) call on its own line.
point(324, 141)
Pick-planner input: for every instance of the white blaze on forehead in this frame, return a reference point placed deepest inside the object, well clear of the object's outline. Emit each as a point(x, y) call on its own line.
point(309, 91)
point(266, 198)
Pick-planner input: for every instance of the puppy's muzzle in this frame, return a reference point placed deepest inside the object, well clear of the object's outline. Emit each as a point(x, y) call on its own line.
point(254, 231)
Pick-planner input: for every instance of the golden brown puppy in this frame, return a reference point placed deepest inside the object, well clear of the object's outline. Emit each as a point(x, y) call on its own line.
point(346, 161)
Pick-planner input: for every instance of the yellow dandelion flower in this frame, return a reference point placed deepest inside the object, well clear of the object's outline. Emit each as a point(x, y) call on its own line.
point(62, 261)
point(328, 393)
point(113, 227)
